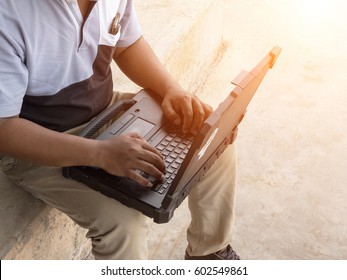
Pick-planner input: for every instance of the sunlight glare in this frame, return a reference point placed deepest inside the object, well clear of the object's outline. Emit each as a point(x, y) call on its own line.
point(314, 9)
point(319, 11)
point(317, 21)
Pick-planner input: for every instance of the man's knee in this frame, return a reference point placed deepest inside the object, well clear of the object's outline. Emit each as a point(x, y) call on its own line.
point(119, 234)
point(116, 217)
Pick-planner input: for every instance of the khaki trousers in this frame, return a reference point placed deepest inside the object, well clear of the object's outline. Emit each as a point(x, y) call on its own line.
point(119, 232)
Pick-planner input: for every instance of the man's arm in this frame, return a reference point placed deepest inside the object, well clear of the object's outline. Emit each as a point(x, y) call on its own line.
point(141, 65)
point(120, 156)
point(25, 140)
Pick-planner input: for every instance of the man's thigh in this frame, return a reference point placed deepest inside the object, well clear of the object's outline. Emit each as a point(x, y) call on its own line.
point(79, 202)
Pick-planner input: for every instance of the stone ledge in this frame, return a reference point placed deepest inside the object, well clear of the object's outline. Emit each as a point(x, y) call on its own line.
point(187, 45)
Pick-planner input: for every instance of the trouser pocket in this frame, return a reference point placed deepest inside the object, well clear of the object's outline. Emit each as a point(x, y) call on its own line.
point(7, 164)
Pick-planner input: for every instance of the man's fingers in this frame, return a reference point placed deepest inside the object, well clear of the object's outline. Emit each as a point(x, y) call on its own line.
point(136, 177)
point(199, 115)
point(171, 113)
point(188, 113)
point(154, 158)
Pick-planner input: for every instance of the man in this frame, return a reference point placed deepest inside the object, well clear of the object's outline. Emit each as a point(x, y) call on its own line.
point(55, 76)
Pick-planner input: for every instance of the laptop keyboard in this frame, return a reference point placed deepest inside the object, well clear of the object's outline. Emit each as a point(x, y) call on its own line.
point(174, 148)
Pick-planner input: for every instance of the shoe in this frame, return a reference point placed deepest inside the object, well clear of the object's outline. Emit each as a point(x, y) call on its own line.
point(226, 254)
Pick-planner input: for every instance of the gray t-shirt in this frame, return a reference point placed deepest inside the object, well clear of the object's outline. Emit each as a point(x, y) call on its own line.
point(54, 66)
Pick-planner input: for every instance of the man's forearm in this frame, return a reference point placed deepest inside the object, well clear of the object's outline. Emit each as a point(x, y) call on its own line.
point(142, 66)
point(119, 156)
point(25, 140)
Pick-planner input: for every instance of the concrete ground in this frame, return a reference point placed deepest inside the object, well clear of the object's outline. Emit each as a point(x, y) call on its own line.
point(291, 198)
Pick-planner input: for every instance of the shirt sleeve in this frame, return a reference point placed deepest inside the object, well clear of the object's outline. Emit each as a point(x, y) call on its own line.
point(13, 71)
point(130, 27)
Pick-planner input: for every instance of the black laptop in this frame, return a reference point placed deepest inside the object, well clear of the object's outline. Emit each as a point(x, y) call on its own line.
point(187, 158)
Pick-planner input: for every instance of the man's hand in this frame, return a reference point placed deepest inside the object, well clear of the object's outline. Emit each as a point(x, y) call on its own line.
point(141, 65)
point(123, 155)
point(185, 109)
